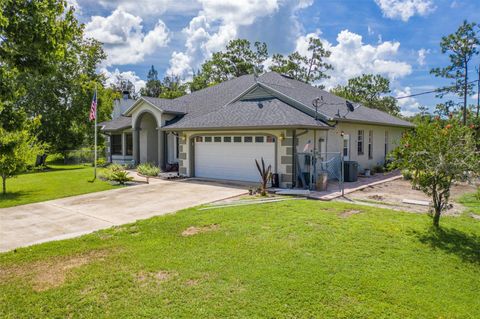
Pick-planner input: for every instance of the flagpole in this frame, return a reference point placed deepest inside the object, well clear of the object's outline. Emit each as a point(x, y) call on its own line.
point(95, 158)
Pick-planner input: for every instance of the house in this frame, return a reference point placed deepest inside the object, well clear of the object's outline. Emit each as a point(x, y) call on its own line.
point(219, 131)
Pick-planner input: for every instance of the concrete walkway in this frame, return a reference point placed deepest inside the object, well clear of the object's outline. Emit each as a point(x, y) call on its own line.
point(77, 215)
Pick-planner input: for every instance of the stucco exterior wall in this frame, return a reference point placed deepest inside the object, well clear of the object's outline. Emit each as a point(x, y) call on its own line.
point(335, 142)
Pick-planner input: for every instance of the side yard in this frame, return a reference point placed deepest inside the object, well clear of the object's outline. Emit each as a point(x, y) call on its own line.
point(57, 182)
point(297, 258)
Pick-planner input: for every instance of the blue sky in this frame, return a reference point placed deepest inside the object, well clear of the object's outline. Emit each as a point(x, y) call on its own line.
point(396, 38)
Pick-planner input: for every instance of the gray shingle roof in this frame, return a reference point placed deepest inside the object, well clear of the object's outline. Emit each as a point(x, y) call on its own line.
point(198, 105)
point(119, 123)
point(167, 105)
point(270, 112)
point(333, 105)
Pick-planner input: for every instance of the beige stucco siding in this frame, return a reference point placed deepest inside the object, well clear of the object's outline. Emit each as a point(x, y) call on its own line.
point(378, 158)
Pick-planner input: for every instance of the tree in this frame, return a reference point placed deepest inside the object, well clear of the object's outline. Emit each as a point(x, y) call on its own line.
point(309, 69)
point(172, 88)
point(17, 149)
point(153, 87)
point(238, 59)
point(370, 90)
point(49, 67)
point(461, 46)
point(438, 153)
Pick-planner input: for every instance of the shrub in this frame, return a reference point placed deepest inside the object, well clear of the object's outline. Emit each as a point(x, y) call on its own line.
point(407, 174)
point(378, 169)
point(120, 177)
point(108, 172)
point(148, 169)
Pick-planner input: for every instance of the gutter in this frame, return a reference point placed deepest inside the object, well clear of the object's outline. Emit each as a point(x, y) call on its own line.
point(233, 128)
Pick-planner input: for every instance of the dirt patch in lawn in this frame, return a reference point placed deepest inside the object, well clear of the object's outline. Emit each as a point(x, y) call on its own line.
point(52, 273)
point(391, 195)
point(158, 277)
point(349, 213)
point(193, 230)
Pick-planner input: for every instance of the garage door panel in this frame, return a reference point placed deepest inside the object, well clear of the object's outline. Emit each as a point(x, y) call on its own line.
point(234, 161)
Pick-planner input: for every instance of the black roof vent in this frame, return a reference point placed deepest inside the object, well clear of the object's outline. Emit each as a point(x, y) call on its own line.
point(260, 105)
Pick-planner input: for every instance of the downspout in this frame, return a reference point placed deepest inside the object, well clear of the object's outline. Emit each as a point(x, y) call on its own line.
point(294, 157)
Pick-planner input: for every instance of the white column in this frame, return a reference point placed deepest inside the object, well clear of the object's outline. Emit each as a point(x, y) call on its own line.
point(136, 146)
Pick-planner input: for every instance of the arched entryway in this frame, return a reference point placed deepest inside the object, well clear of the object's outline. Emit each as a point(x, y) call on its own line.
point(148, 138)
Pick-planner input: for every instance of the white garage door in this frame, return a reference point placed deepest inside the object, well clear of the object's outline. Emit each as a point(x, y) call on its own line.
point(232, 157)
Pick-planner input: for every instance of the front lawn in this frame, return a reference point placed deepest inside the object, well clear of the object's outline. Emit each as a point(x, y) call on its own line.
point(291, 259)
point(56, 182)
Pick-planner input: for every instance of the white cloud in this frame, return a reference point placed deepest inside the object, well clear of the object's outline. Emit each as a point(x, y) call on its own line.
point(75, 5)
point(145, 8)
point(422, 54)
point(409, 106)
point(405, 9)
point(350, 57)
point(218, 22)
point(114, 77)
point(123, 37)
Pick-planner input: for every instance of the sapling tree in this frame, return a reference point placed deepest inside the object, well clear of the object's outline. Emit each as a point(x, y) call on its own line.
point(438, 153)
point(17, 149)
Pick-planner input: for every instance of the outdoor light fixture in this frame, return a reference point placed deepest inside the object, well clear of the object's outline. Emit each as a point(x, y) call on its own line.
point(184, 137)
point(342, 133)
point(281, 137)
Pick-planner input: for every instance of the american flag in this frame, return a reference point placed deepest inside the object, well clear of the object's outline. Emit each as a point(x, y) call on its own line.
point(93, 107)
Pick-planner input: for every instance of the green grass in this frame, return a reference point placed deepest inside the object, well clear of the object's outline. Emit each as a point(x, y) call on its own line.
point(471, 201)
point(290, 259)
point(58, 181)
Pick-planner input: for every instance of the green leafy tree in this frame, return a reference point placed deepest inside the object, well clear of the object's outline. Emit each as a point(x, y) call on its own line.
point(310, 68)
point(153, 87)
point(371, 91)
point(47, 64)
point(172, 87)
point(461, 47)
point(438, 153)
point(236, 60)
point(18, 149)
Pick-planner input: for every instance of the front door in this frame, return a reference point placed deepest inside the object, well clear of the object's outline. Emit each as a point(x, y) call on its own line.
point(346, 147)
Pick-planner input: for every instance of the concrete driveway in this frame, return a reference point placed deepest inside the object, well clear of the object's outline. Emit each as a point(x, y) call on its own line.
point(74, 216)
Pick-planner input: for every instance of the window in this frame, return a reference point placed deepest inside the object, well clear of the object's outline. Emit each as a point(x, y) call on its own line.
point(345, 147)
point(116, 142)
point(129, 146)
point(248, 139)
point(237, 139)
point(208, 139)
point(199, 139)
point(217, 139)
point(259, 139)
point(360, 142)
point(227, 139)
point(386, 143)
point(370, 144)
point(270, 139)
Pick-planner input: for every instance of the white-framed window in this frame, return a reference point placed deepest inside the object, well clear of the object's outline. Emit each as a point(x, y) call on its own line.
point(227, 139)
point(199, 139)
point(237, 139)
point(217, 139)
point(259, 139)
point(270, 139)
point(360, 142)
point(370, 144)
point(208, 139)
point(248, 139)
